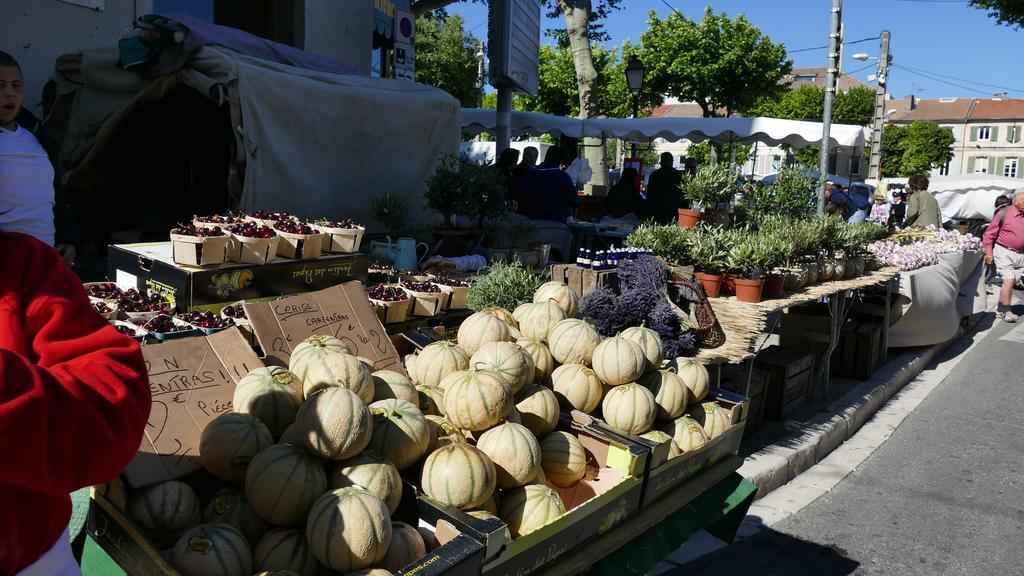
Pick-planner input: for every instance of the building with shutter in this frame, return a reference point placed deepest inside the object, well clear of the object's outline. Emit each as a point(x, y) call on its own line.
point(989, 132)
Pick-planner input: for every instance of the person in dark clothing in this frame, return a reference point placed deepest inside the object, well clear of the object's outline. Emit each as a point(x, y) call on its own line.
point(664, 192)
point(898, 210)
point(518, 173)
point(624, 198)
point(548, 192)
point(505, 164)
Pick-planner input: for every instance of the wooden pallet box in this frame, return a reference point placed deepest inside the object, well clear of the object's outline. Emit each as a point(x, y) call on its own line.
point(583, 281)
point(790, 378)
point(733, 380)
point(861, 355)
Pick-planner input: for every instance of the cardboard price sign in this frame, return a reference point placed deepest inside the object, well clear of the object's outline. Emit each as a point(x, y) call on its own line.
point(343, 312)
point(192, 381)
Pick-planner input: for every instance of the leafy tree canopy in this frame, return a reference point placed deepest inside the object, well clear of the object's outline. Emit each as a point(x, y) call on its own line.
point(1006, 12)
point(915, 148)
point(446, 56)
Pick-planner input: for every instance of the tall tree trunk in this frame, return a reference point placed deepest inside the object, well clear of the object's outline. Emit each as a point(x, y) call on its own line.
point(577, 18)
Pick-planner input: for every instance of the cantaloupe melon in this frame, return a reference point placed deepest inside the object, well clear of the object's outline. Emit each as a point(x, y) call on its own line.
point(479, 329)
point(670, 394)
point(530, 508)
point(629, 408)
point(650, 342)
point(458, 475)
point(282, 483)
point(687, 434)
point(536, 320)
point(442, 433)
point(563, 458)
point(577, 387)
point(391, 384)
point(406, 547)
point(371, 471)
point(229, 506)
point(506, 359)
point(543, 363)
point(229, 442)
point(286, 549)
point(272, 395)
point(712, 417)
point(400, 432)
point(431, 400)
point(662, 437)
point(502, 314)
point(515, 452)
point(164, 511)
point(437, 360)
point(339, 371)
point(694, 375)
point(573, 341)
point(538, 409)
point(491, 504)
point(349, 529)
point(476, 400)
point(212, 549)
point(314, 349)
point(560, 294)
point(335, 424)
point(291, 435)
point(619, 361)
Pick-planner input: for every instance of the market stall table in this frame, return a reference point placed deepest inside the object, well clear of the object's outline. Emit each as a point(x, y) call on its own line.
point(935, 298)
point(597, 236)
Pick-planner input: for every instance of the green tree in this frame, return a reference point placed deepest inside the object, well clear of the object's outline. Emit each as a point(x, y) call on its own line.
point(446, 57)
point(915, 148)
point(702, 153)
point(1006, 12)
point(723, 64)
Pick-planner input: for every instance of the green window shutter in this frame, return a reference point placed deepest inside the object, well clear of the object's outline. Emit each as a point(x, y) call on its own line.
point(970, 165)
point(1000, 162)
point(995, 133)
point(974, 134)
point(992, 165)
point(1015, 134)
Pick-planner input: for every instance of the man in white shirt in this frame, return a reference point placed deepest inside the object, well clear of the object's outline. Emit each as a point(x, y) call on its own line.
point(26, 168)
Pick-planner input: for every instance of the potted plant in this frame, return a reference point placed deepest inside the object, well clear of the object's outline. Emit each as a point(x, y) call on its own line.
point(515, 239)
point(744, 260)
point(668, 242)
point(460, 186)
point(707, 188)
point(774, 250)
point(708, 252)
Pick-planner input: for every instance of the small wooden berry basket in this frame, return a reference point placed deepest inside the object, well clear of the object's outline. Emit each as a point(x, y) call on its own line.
point(245, 250)
point(270, 218)
point(105, 308)
point(184, 329)
point(340, 239)
point(427, 299)
point(200, 250)
point(456, 293)
point(390, 311)
point(299, 246)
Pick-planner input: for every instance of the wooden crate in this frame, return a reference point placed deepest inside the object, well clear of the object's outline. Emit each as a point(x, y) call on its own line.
point(733, 380)
point(583, 281)
point(790, 378)
point(859, 350)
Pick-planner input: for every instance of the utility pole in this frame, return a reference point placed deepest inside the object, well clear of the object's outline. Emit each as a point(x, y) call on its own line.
point(875, 160)
point(834, 41)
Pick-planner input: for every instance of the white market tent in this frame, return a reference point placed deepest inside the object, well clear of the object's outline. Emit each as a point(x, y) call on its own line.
point(971, 196)
point(771, 131)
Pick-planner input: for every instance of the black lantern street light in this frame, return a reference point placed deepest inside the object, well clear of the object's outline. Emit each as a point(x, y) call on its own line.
point(635, 81)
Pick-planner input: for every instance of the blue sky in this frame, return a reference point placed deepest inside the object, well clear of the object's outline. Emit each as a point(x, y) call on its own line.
point(936, 37)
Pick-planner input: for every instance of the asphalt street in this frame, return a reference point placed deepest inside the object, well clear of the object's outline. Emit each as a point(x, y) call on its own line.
point(943, 495)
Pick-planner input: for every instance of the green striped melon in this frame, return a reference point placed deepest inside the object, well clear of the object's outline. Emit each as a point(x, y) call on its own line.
point(662, 437)
point(476, 400)
point(437, 360)
point(650, 342)
point(619, 361)
point(670, 394)
point(212, 549)
point(229, 506)
point(536, 320)
point(687, 434)
point(577, 387)
point(229, 442)
point(538, 409)
point(506, 359)
point(371, 471)
point(313, 350)
point(409, 360)
point(491, 504)
point(515, 452)
point(563, 458)
point(430, 400)
point(339, 371)
point(540, 478)
point(502, 314)
point(530, 508)
point(349, 529)
point(573, 341)
point(543, 363)
point(629, 408)
point(282, 483)
point(694, 375)
point(292, 435)
point(164, 511)
point(286, 549)
point(406, 547)
point(560, 294)
point(458, 475)
point(400, 432)
point(391, 384)
point(442, 433)
point(272, 395)
point(335, 424)
point(712, 417)
point(479, 329)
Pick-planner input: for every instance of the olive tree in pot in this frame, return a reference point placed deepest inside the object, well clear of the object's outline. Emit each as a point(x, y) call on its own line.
point(460, 186)
point(775, 250)
point(709, 187)
point(745, 261)
point(708, 251)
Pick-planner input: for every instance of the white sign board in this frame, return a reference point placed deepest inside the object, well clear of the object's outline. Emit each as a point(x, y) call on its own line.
point(513, 31)
point(405, 61)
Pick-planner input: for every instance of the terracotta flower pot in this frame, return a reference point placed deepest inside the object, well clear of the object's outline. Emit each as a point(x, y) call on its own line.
point(728, 285)
point(749, 290)
point(712, 283)
point(688, 218)
point(772, 286)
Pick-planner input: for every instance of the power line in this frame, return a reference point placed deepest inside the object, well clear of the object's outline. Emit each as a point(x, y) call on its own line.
point(852, 72)
point(826, 47)
point(665, 2)
point(936, 79)
point(912, 69)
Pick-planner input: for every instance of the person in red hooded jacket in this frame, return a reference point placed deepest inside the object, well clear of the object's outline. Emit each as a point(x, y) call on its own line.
point(74, 400)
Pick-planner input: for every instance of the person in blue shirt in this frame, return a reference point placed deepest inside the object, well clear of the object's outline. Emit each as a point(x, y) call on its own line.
point(548, 192)
point(858, 204)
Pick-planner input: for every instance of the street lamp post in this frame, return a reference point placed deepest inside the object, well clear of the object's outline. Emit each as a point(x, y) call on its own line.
point(635, 81)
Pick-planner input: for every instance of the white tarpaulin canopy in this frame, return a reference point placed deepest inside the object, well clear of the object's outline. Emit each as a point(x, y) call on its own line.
point(771, 131)
point(971, 196)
